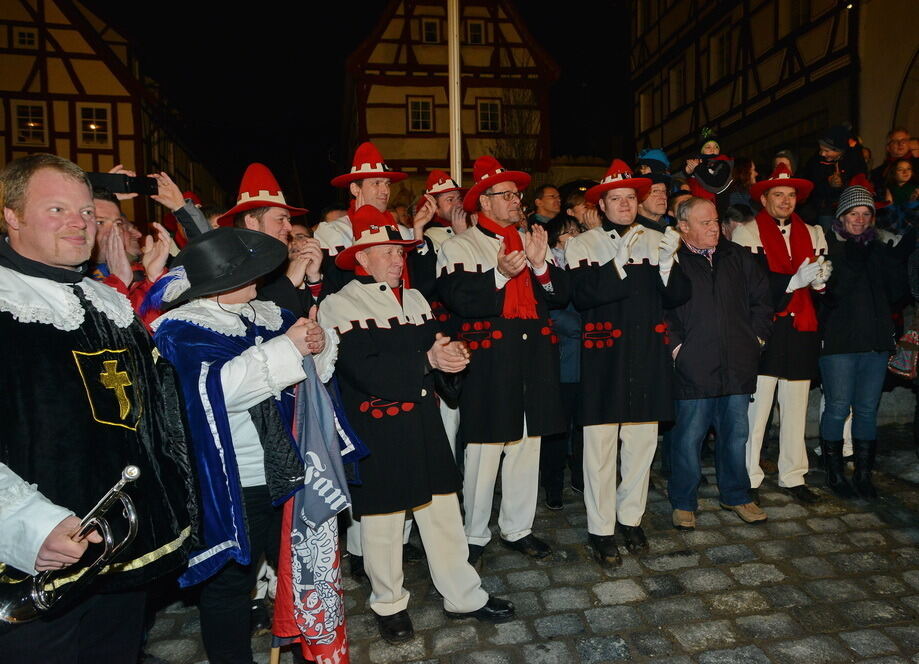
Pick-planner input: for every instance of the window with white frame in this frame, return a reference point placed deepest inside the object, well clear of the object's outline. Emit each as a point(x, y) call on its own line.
point(475, 32)
point(95, 126)
point(430, 31)
point(25, 37)
point(489, 115)
point(30, 122)
point(420, 114)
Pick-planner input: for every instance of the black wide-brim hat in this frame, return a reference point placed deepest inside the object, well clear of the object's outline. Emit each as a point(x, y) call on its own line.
point(225, 259)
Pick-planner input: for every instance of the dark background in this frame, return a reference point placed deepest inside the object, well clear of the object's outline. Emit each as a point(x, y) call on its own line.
point(267, 84)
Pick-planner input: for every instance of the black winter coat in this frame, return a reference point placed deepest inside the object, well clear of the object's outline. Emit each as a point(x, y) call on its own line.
point(514, 370)
point(721, 325)
point(626, 371)
point(855, 312)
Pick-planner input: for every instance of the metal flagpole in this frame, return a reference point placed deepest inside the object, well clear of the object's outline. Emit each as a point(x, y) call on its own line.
point(453, 90)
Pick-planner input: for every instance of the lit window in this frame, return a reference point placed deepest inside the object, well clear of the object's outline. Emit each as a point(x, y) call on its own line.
point(95, 126)
point(31, 123)
point(25, 37)
point(430, 31)
point(475, 32)
point(420, 114)
point(489, 112)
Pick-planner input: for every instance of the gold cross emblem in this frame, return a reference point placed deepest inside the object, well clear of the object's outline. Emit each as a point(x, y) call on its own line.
point(113, 379)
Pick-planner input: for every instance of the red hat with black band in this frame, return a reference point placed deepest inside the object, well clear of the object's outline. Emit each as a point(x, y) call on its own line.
point(487, 172)
point(258, 188)
point(781, 177)
point(367, 163)
point(618, 176)
point(370, 228)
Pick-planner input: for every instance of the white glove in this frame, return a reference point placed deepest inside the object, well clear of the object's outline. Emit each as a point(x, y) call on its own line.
point(826, 269)
point(666, 251)
point(621, 259)
point(806, 273)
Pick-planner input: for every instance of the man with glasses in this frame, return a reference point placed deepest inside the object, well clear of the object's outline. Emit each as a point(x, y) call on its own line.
point(499, 284)
point(897, 148)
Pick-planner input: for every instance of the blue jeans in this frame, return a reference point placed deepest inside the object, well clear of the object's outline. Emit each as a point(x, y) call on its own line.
point(852, 380)
point(693, 418)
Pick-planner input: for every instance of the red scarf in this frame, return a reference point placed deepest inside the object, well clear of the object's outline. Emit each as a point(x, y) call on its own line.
point(801, 304)
point(440, 221)
point(519, 301)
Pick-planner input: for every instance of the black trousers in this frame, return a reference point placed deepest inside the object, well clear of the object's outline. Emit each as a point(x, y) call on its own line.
point(225, 603)
point(102, 628)
point(554, 449)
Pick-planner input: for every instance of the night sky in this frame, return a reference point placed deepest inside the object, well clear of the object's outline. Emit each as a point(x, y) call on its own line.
point(267, 85)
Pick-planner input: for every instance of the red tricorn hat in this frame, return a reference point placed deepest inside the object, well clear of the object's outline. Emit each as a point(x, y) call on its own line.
point(367, 163)
point(259, 188)
point(619, 176)
point(781, 177)
point(371, 228)
point(440, 182)
point(487, 172)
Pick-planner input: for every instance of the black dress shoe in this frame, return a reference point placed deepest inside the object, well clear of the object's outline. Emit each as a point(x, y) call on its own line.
point(553, 499)
point(496, 610)
point(530, 546)
point(411, 553)
point(604, 549)
point(357, 568)
point(475, 553)
point(634, 538)
point(802, 494)
point(396, 628)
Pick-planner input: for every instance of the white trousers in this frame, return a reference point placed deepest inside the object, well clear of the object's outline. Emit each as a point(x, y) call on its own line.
point(605, 502)
point(451, 419)
point(353, 537)
point(519, 488)
point(792, 398)
point(441, 528)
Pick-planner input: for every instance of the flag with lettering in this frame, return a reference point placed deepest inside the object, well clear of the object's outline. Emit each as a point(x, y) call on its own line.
point(309, 605)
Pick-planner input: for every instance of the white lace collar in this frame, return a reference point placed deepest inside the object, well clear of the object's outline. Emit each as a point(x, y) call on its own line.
point(36, 300)
point(225, 318)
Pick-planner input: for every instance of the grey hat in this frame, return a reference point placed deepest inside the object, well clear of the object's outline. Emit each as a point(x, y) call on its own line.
point(853, 197)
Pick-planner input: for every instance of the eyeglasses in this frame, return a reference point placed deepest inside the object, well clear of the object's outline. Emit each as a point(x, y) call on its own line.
point(507, 195)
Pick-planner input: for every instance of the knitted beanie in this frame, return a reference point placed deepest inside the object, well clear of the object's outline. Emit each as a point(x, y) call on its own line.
point(853, 197)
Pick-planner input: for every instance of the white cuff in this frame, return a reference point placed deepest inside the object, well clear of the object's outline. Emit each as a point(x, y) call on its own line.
point(539, 273)
point(281, 363)
point(500, 280)
point(665, 269)
point(325, 361)
point(26, 519)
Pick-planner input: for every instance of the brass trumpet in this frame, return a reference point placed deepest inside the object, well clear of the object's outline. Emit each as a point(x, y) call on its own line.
point(38, 594)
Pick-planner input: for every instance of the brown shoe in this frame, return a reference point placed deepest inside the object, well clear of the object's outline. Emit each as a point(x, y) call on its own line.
point(749, 512)
point(684, 520)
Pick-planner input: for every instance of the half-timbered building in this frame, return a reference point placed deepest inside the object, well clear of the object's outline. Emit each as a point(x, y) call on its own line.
point(398, 87)
point(770, 74)
point(71, 85)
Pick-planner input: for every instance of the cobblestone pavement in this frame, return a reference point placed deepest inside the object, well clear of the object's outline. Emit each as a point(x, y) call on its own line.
point(837, 581)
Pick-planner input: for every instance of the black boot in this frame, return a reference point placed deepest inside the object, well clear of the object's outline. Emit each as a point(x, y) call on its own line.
point(864, 464)
point(835, 468)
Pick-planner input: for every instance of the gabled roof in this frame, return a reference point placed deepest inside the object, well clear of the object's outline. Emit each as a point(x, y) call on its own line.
point(543, 62)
